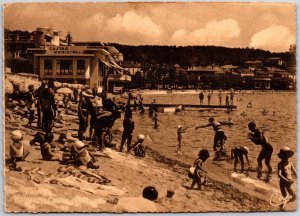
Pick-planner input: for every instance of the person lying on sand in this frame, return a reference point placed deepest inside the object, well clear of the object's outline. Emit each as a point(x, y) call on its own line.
point(138, 148)
point(238, 154)
point(197, 172)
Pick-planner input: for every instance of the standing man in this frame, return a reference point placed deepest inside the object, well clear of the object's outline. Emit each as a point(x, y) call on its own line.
point(83, 111)
point(48, 107)
point(38, 92)
point(128, 125)
point(201, 97)
point(31, 104)
point(209, 97)
point(220, 97)
point(231, 97)
point(259, 138)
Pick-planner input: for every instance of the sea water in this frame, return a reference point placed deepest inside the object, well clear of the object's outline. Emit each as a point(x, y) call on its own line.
point(278, 122)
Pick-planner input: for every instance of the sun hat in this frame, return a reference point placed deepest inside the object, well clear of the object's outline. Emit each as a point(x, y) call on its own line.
point(285, 152)
point(16, 135)
point(140, 137)
point(88, 93)
point(179, 126)
point(78, 144)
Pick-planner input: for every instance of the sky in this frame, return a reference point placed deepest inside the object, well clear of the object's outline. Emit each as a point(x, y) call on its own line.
point(268, 26)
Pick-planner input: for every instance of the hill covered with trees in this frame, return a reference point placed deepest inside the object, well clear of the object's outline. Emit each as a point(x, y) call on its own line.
point(196, 55)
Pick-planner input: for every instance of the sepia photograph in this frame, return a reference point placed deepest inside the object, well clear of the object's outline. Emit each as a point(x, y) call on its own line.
point(125, 107)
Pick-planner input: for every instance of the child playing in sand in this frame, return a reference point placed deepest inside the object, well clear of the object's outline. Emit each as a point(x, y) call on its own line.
point(17, 152)
point(238, 154)
point(45, 147)
point(285, 171)
point(197, 172)
point(220, 136)
point(82, 156)
point(138, 147)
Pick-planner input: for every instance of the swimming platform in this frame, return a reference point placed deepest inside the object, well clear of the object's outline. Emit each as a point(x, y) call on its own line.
point(191, 106)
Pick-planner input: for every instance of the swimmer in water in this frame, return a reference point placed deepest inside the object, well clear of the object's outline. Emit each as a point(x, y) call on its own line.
point(264, 112)
point(244, 113)
point(249, 105)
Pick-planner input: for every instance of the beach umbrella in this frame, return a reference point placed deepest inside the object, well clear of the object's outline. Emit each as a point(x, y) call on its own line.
point(64, 90)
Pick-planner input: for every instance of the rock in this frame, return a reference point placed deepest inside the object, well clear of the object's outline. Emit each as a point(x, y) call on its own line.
point(135, 204)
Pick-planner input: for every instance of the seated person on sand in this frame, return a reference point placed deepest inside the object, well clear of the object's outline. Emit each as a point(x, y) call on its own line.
point(197, 171)
point(17, 152)
point(238, 154)
point(138, 148)
point(45, 147)
point(80, 156)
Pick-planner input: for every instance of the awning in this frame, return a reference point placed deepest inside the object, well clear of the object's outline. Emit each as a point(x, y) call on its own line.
point(116, 65)
point(106, 63)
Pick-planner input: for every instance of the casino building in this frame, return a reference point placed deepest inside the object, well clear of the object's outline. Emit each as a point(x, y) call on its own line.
point(89, 63)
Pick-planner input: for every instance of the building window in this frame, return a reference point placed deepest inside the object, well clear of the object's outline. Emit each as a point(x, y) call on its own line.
point(48, 67)
point(81, 67)
point(64, 67)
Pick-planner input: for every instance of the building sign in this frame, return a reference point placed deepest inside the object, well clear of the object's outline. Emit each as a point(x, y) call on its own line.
point(67, 50)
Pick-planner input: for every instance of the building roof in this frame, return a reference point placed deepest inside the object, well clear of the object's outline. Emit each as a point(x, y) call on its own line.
point(130, 64)
point(229, 67)
point(202, 69)
point(275, 58)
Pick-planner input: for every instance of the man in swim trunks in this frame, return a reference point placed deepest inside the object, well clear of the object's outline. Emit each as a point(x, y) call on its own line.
point(259, 138)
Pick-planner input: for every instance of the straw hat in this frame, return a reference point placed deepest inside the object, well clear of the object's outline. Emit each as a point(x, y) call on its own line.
point(88, 93)
point(285, 152)
point(16, 135)
point(140, 137)
point(179, 126)
point(78, 144)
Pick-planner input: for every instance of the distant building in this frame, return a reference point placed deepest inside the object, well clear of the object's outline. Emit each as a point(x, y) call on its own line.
point(262, 82)
point(86, 64)
point(131, 67)
point(199, 70)
point(253, 65)
point(230, 69)
point(246, 72)
point(276, 62)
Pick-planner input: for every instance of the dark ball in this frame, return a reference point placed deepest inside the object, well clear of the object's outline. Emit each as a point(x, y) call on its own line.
point(150, 193)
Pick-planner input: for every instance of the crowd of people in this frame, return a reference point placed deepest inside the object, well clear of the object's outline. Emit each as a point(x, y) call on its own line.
point(229, 98)
point(99, 113)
